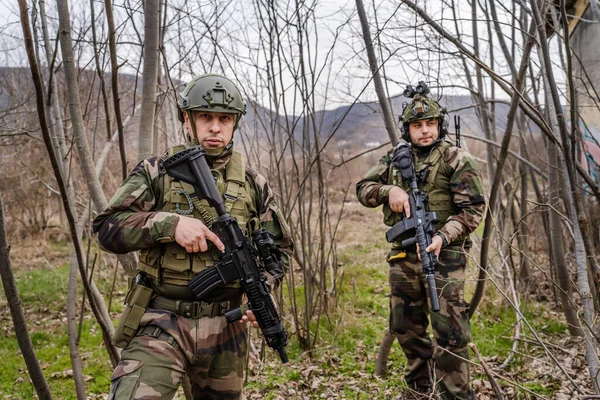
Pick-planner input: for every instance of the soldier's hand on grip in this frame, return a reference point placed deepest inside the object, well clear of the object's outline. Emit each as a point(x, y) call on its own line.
point(435, 247)
point(192, 234)
point(399, 201)
point(249, 317)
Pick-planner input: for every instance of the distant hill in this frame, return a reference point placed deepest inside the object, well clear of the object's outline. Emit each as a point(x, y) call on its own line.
point(362, 124)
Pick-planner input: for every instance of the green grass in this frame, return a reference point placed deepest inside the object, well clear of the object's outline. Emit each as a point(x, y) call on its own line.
point(44, 286)
point(344, 355)
point(52, 350)
point(43, 294)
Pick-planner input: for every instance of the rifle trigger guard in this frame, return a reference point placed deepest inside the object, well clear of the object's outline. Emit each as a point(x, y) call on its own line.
point(190, 204)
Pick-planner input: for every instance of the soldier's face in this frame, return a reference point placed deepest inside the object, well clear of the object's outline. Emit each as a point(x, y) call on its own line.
point(423, 132)
point(214, 130)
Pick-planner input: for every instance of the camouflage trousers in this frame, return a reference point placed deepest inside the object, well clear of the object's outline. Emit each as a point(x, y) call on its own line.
point(409, 311)
point(211, 351)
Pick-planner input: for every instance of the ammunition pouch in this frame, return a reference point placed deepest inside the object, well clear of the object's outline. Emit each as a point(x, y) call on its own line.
point(136, 303)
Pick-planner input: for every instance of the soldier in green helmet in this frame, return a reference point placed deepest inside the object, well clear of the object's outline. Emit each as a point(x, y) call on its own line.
point(165, 331)
point(452, 180)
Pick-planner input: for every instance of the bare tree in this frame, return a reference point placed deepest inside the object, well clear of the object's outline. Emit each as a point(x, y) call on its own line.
point(114, 65)
point(381, 95)
point(61, 184)
point(578, 218)
point(85, 159)
point(14, 303)
point(151, 62)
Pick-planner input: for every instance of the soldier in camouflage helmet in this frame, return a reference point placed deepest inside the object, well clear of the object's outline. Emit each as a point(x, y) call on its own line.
point(453, 182)
point(165, 332)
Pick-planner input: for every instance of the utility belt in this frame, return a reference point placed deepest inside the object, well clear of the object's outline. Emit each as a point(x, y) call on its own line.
point(193, 309)
point(141, 297)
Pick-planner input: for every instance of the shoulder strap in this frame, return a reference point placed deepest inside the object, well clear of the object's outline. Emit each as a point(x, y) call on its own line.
point(436, 160)
point(236, 173)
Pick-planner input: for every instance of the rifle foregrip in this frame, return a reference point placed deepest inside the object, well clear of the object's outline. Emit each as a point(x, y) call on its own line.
point(234, 315)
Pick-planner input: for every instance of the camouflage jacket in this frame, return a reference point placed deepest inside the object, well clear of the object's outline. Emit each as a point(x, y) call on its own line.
point(133, 220)
point(465, 187)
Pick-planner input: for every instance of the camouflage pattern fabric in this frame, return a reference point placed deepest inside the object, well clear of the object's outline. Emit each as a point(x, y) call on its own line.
point(131, 221)
point(465, 185)
point(211, 351)
point(409, 308)
point(409, 311)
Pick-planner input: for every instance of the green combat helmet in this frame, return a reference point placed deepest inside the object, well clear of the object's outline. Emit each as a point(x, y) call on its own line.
point(213, 93)
point(422, 107)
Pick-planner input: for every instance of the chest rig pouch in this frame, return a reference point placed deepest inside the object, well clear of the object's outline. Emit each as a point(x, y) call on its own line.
point(172, 264)
point(437, 174)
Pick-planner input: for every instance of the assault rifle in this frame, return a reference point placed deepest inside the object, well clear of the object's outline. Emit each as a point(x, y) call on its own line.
point(240, 260)
point(421, 222)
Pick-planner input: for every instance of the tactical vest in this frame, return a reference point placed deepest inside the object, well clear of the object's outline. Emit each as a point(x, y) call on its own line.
point(169, 262)
point(437, 187)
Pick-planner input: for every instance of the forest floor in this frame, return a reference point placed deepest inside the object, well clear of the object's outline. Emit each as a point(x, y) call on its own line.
point(547, 363)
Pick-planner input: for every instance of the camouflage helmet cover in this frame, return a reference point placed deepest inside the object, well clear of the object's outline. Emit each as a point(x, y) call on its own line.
point(421, 107)
point(214, 93)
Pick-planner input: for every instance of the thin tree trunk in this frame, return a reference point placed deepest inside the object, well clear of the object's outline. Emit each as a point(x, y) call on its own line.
point(578, 218)
point(79, 132)
point(384, 353)
point(487, 230)
point(72, 329)
point(53, 100)
point(523, 226)
point(557, 244)
point(12, 297)
point(85, 157)
point(386, 109)
point(482, 110)
point(68, 207)
point(100, 72)
point(149, 78)
point(128, 261)
point(576, 135)
point(114, 66)
point(72, 285)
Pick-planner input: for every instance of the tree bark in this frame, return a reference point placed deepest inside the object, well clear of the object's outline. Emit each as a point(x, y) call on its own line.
point(386, 109)
point(523, 226)
point(100, 72)
point(59, 144)
point(68, 207)
point(114, 66)
point(557, 243)
point(128, 261)
point(487, 230)
point(14, 302)
point(482, 111)
point(52, 99)
point(149, 79)
point(578, 218)
point(79, 132)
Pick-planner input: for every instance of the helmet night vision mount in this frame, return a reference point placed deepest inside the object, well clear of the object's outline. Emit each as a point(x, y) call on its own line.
point(421, 89)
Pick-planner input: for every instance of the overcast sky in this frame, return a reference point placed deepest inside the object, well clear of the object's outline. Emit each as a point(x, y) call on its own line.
point(344, 72)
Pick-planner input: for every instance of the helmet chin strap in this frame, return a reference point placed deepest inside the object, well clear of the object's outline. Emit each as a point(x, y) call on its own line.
point(216, 153)
point(425, 149)
point(192, 140)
